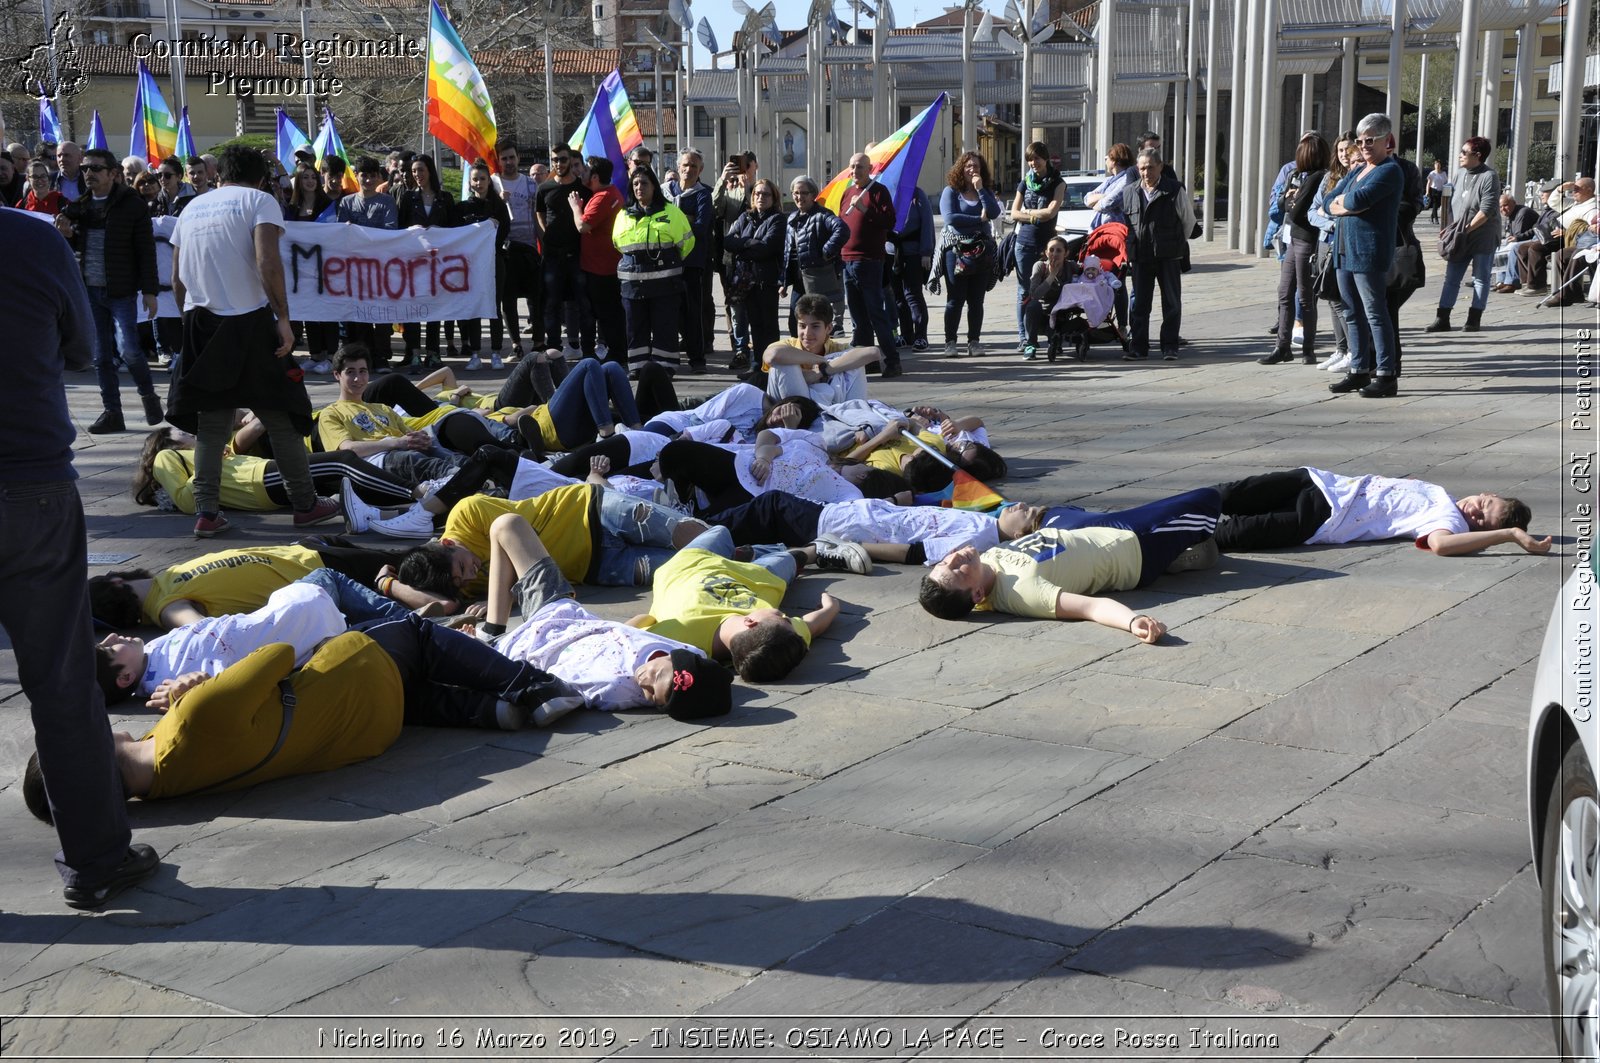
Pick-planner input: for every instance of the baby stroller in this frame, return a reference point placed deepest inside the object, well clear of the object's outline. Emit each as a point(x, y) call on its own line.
point(1071, 325)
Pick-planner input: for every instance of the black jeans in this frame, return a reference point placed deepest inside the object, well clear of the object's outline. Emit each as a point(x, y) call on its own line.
point(692, 324)
point(44, 608)
point(563, 281)
point(604, 292)
point(519, 273)
point(773, 517)
point(1271, 511)
point(966, 289)
point(1294, 284)
point(1146, 275)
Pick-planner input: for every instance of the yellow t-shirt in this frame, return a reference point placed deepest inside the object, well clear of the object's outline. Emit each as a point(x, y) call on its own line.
point(242, 481)
point(486, 403)
point(890, 455)
point(697, 590)
point(230, 581)
point(339, 422)
point(1033, 570)
point(348, 707)
point(547, 429)
point(564, 519)
point(832, 346)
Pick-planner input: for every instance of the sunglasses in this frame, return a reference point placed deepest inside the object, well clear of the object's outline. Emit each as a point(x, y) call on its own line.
point(1362, 142)
point(96, 167)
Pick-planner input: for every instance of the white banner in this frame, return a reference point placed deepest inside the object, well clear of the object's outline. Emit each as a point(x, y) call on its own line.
point(335, 271)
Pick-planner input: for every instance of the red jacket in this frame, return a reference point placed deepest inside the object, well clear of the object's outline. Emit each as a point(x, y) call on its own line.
point(596, 253)
point(51, 204)
point(868, 215)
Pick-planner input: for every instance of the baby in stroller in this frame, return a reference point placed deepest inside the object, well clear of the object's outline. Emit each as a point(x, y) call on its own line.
point(1072, 303)
point(1084, 307)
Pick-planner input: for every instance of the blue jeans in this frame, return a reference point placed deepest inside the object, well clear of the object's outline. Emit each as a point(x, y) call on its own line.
point(1366, 314)
point(869, 313)
point(358, 604)
point(117, 330)
point(44, 608)
point(1026, 257)
point(776, 559)
point(636, 539)
point(1167, 272)
point(582, 403)
point(1482, 265)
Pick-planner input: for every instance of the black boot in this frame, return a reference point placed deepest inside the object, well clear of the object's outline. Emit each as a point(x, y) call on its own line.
point(1474, 321)
point(1277, 356)
point(1441, 323)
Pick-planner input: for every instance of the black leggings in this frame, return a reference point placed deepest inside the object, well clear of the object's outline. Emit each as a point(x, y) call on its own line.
point(357, 562)
point(575, 463)
point(532, 382)
point(332, 468)
point(689, 465)
point(486, 463)
point(654, 392)
point(1271, 511)
point(463, 435)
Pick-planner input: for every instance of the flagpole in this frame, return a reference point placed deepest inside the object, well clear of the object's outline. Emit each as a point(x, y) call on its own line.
point(175, 63)
point(305, 57)
point(55, 77)
point(427, 65)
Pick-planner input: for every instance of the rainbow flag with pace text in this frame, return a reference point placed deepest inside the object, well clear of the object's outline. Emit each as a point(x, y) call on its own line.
point(460, 112)
point(896, 162)
point(329, 143)
point(610, 129)
point(155, 127)
point(965, 492)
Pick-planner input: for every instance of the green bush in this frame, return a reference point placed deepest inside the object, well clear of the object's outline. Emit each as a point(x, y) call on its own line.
point(258, 141)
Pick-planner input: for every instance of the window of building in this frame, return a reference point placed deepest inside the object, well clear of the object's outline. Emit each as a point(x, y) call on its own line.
point(1550, 44)
point(1544, 131)
point(599, 12)
point(704, 128)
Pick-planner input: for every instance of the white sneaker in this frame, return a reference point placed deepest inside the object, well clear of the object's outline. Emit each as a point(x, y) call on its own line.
point(837, 555)
point(1298, 336)
point(358, 515)
point(414, 523)
point(1339, 363)
point(571, 354)
point(951, 350)
point(495, 361)
point(325, 366)
point(552, 710)
point(474, 363)
point(974, 349)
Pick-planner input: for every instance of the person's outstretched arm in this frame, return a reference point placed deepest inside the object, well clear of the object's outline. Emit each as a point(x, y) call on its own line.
point(1454, 544)
point(821, 618)
point(1110, 613)
point(514, 547)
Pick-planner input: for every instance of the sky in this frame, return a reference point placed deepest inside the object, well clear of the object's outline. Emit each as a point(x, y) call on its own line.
point(792, 15)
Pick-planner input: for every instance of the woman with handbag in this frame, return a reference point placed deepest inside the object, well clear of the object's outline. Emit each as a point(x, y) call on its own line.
point(968, 206)
point(1324, 279)
point(1294, 273)
point(1475, 231)
point(755, 242)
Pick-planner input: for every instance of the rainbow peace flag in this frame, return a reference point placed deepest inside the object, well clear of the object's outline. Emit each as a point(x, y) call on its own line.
point(965, 492)
point(328, 143)
point(896, 163)
point(610, 129)
point(155, 130)
point(97, 135)
point(49, 123)
point(290, 139)
point(186, 148)
point(460, 112)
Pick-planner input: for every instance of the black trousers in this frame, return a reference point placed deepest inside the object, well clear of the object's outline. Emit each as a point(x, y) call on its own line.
point(1271, 511)
point(605, 300)
point(690, 465)
point(772, 517)
point(451, 679)
point(692, 322)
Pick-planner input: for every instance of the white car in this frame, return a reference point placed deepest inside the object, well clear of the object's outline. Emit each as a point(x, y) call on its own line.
point(1074, 217)
point(1564, 814)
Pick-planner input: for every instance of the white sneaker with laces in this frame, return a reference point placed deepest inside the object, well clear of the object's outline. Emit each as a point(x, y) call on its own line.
point(1340, 363)
point(414, 523)
point(358, 515)
point(474, 363)
point(838, 555)
point(571, 354)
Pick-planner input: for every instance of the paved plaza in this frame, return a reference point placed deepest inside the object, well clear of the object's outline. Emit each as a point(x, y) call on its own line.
point(1296, 828)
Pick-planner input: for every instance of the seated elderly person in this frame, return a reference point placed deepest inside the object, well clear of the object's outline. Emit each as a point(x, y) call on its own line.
point(1518, 221)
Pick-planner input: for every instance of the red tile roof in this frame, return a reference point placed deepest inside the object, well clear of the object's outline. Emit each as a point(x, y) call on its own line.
point(116, 60)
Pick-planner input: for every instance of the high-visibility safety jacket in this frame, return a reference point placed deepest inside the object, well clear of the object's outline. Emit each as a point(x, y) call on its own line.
point(653, 247)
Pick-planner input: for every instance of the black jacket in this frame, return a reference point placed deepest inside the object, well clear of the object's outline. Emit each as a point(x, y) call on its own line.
point(1300, 227)
point(130, 243)
point(1520, 225)
point(412, 211)
point(759, 238)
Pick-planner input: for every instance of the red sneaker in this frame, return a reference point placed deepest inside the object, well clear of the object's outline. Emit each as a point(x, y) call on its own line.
point(207, 527)
point(325, 510)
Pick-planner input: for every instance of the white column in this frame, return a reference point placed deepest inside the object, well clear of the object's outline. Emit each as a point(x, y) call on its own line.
point(1397, 48)
point(1489, 110)
point(1213, 119)
point(1249, 203)
point(1106, 69)
point(1271, 112)
point(969, 86)
point(1461, 121)
point(1025, 113)
point(1522, 109)
point(1191, 100)
point(1572, 64)
point(880, 91)
point(815, 34)
point(1236, 125)
point(1347, 87)
point(1422, 110)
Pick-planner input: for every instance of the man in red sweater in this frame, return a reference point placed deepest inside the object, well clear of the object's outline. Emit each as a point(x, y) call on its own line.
point(598, 257)
point(868, 214)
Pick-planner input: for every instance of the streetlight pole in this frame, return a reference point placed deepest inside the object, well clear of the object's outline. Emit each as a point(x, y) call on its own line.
point(305, 62)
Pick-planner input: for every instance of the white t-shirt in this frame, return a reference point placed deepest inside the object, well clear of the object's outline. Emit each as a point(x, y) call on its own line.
point(939, 530)
point(216, 244)
point(738, 404)
point(597, 656)
point(802, 469)
point(1381, 507)
point(519, 193)
point(301, 614)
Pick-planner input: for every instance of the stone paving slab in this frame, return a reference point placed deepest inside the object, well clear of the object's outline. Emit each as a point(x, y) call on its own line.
point(1300, 814)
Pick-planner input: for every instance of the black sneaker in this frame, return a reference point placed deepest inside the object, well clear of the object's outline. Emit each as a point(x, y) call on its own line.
point(153, 413)
point(109, 421)
point(138, 865)
point(1352, 382)
point(1382, 387)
